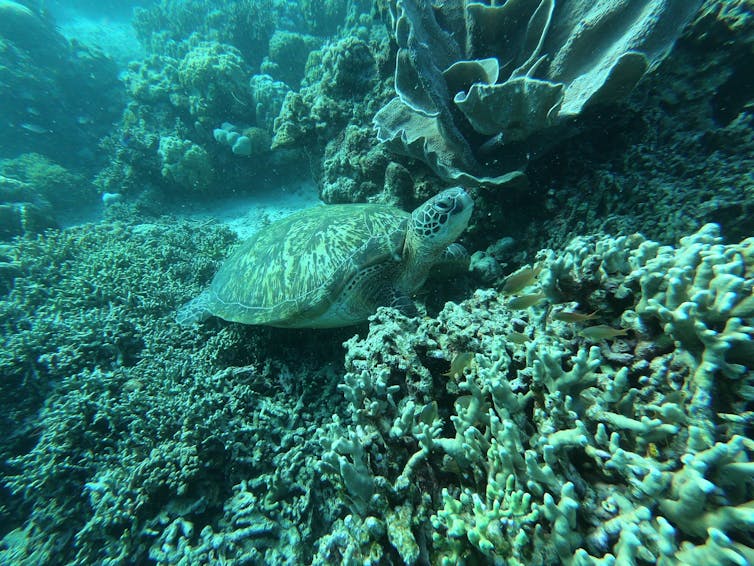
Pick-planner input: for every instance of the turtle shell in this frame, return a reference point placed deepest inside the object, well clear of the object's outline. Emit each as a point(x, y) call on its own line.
point(290, 272)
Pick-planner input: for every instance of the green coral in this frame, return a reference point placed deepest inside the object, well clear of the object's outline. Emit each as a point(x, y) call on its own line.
point(153, 79)
point(331, 116)
point(170, 455)
point(336, 76)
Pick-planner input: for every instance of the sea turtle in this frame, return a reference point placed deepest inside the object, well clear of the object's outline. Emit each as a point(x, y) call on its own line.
point(332, 266)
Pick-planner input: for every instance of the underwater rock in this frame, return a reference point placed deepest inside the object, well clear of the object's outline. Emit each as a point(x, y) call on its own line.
point(40, 180)
point(19, 219)
point(30, 31)
point(40, 194)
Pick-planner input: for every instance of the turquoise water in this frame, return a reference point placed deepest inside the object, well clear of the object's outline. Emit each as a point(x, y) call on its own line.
point(564, 376)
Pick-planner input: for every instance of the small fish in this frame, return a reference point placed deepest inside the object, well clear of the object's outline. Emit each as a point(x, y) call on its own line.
point(428, 414)
point(518, 337)
point(34, 128)
point(573, 316)
point(602, 332)
point(525, 301)
point(520, 279)
point(460, 362)
point(652, 450)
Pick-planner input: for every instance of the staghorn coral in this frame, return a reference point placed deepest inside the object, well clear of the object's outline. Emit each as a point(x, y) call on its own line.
point(154, 437)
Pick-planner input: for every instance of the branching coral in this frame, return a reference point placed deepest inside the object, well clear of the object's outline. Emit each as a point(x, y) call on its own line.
point(582, 454)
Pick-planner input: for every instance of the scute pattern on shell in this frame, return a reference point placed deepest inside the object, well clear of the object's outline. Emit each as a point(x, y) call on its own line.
point(297, 266)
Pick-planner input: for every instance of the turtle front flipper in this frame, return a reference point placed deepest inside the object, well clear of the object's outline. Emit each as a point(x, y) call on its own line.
point(454, 257)
point(371, 288)
point(397, 299)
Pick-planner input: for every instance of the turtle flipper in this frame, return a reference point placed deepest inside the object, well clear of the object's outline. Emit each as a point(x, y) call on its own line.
point(195, 311)
point(454, 256)
point(397, 299)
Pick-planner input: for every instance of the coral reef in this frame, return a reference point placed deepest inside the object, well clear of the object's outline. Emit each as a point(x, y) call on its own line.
point(105, 391)
point(164, 27)
point(186, 164)
point(214, 78)
point(330, 116)
point(592, 406)
point(288, 52)
point(47, 181)
point(267, 96)
point(36, 194)
point(207, 64)
point(337, 77)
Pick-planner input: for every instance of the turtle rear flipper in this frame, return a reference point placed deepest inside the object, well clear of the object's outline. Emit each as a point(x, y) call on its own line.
point(195, 311)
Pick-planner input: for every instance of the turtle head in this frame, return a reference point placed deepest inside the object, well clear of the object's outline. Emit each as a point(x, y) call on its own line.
point(440, 220)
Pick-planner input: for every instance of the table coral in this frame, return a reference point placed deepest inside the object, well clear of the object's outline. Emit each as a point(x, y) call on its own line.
point(480, 89)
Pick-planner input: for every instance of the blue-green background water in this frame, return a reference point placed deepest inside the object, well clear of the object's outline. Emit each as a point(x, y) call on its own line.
point(579, 392)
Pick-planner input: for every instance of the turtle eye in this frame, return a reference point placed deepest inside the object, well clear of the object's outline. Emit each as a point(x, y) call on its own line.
point(443, 205)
